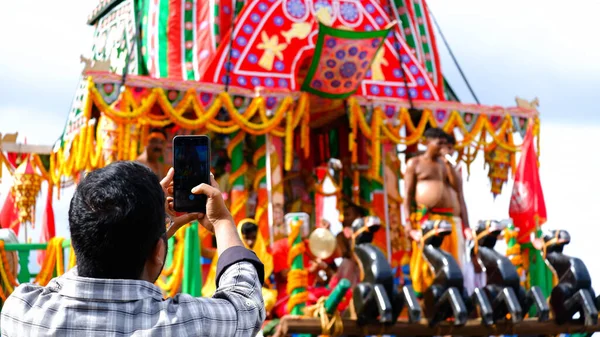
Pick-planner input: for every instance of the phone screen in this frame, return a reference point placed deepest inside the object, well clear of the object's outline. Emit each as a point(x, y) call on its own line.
point(192, 168)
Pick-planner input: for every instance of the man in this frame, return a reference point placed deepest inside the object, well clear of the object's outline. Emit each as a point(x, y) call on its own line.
point(117, 223)
point(153, 152)
point(427, 197)
point(455, 188)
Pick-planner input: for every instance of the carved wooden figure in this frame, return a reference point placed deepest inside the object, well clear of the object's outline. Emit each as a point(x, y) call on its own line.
point(376, 300)
point(573, 293)
point(503, 289)
point(446, 297)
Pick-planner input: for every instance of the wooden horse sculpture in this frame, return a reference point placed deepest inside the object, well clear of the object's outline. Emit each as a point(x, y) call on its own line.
point(503, 289)
point(376, 300)
point(573, 293)
point(447, 296)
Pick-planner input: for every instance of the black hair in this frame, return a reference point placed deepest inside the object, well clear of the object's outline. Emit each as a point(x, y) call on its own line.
point(159, 130)
point(451, 139)
point(249, 227)
point(435, 133)
point(116, 217)
point(361, 211)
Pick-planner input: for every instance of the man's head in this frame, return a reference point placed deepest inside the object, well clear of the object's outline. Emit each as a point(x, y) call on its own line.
point(157, 138)
point(117, 223)
point(436, 140)
point(249, 232)
point(450, 147)
point(351, 213)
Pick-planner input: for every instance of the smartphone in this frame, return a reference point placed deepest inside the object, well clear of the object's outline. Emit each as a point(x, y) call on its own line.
point(191, 162)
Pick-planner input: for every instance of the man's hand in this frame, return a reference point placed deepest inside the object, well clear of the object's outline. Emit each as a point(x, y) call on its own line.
point(216, 210)
point(415, 234)
point(176, 221)
point(468, 233)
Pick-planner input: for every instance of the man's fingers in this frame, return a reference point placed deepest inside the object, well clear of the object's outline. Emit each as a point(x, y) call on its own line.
point(181, 221)
point(207, 190)
point(168, 179)
point(213, 182)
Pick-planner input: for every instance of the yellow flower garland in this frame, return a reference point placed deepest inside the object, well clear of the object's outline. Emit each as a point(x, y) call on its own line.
point(176, 271)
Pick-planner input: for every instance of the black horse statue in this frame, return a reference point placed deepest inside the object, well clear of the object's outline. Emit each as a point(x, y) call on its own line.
point(503, 289)
point(446, 297)
point(376, 300)
point(573, 293)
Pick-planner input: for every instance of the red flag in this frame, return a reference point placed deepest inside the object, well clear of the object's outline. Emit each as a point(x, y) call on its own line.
point(9, 215)
point(527, 205)
point(48, 227)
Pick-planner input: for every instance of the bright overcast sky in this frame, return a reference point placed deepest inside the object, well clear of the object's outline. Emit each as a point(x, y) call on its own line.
point(507, 48)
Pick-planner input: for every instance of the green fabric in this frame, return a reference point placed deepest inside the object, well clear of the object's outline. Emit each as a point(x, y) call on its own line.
point(237, 160)
point(539, 274)
point(188, 17)
point(192, 275)
point(262, 161)
point(163, 22)
point(334, 144)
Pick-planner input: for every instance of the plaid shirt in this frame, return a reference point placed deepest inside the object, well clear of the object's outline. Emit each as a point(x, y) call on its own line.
point(78, 306)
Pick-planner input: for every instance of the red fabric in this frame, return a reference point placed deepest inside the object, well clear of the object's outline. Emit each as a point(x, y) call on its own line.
point(280, 250)
point(175, 40)
point(48, 226)
point(9, 215)
point(527, 202)
point(205, 39)
point(15, 158)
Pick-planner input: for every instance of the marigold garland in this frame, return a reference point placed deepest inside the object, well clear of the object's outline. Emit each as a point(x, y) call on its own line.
point(175, 272)
point(54, 261)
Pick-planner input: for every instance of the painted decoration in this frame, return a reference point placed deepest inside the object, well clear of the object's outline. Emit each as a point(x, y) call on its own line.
point(273, 39)
point(341, 60)
point(178, 39)
point(115, 39)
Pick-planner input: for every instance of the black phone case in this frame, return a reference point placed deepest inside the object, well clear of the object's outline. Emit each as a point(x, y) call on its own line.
point(201, 205)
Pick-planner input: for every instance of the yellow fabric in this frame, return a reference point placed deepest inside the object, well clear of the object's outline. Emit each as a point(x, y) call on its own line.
point(421, 274)
point(260, 249)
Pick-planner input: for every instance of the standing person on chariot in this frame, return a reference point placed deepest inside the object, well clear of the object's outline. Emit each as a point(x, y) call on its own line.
point(472, 272)
point(252, 240)
point(157, 139)
point(428, 197)
point(455, 189)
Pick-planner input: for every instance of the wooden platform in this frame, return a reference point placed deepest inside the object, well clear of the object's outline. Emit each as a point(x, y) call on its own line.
point(293, 324)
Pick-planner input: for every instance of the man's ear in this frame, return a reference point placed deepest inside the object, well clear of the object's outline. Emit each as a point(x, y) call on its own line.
point(160, 249)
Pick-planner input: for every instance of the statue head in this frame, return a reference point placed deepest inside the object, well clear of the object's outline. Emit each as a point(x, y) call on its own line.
point(364, 228)
point(434, 232)
point(556, 240)
point(487, 232)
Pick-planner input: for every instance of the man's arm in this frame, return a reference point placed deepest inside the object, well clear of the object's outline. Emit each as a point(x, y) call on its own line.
point(410, 186)
point(464, 216)
point(237, 308)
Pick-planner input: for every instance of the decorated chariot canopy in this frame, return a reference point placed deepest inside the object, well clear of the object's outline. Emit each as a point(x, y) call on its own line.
point(274, 67)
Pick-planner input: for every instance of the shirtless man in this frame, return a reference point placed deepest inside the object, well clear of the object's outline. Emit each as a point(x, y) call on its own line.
point(427, 196)
point(153, 151)
point(456, 187)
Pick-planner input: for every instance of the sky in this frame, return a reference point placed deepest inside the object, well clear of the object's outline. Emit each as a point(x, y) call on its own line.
point(509, 48)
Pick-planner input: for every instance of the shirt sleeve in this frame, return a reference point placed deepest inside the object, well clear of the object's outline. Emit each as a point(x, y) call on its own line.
point(240, 286)
point(237, 254)
point(236, 309)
